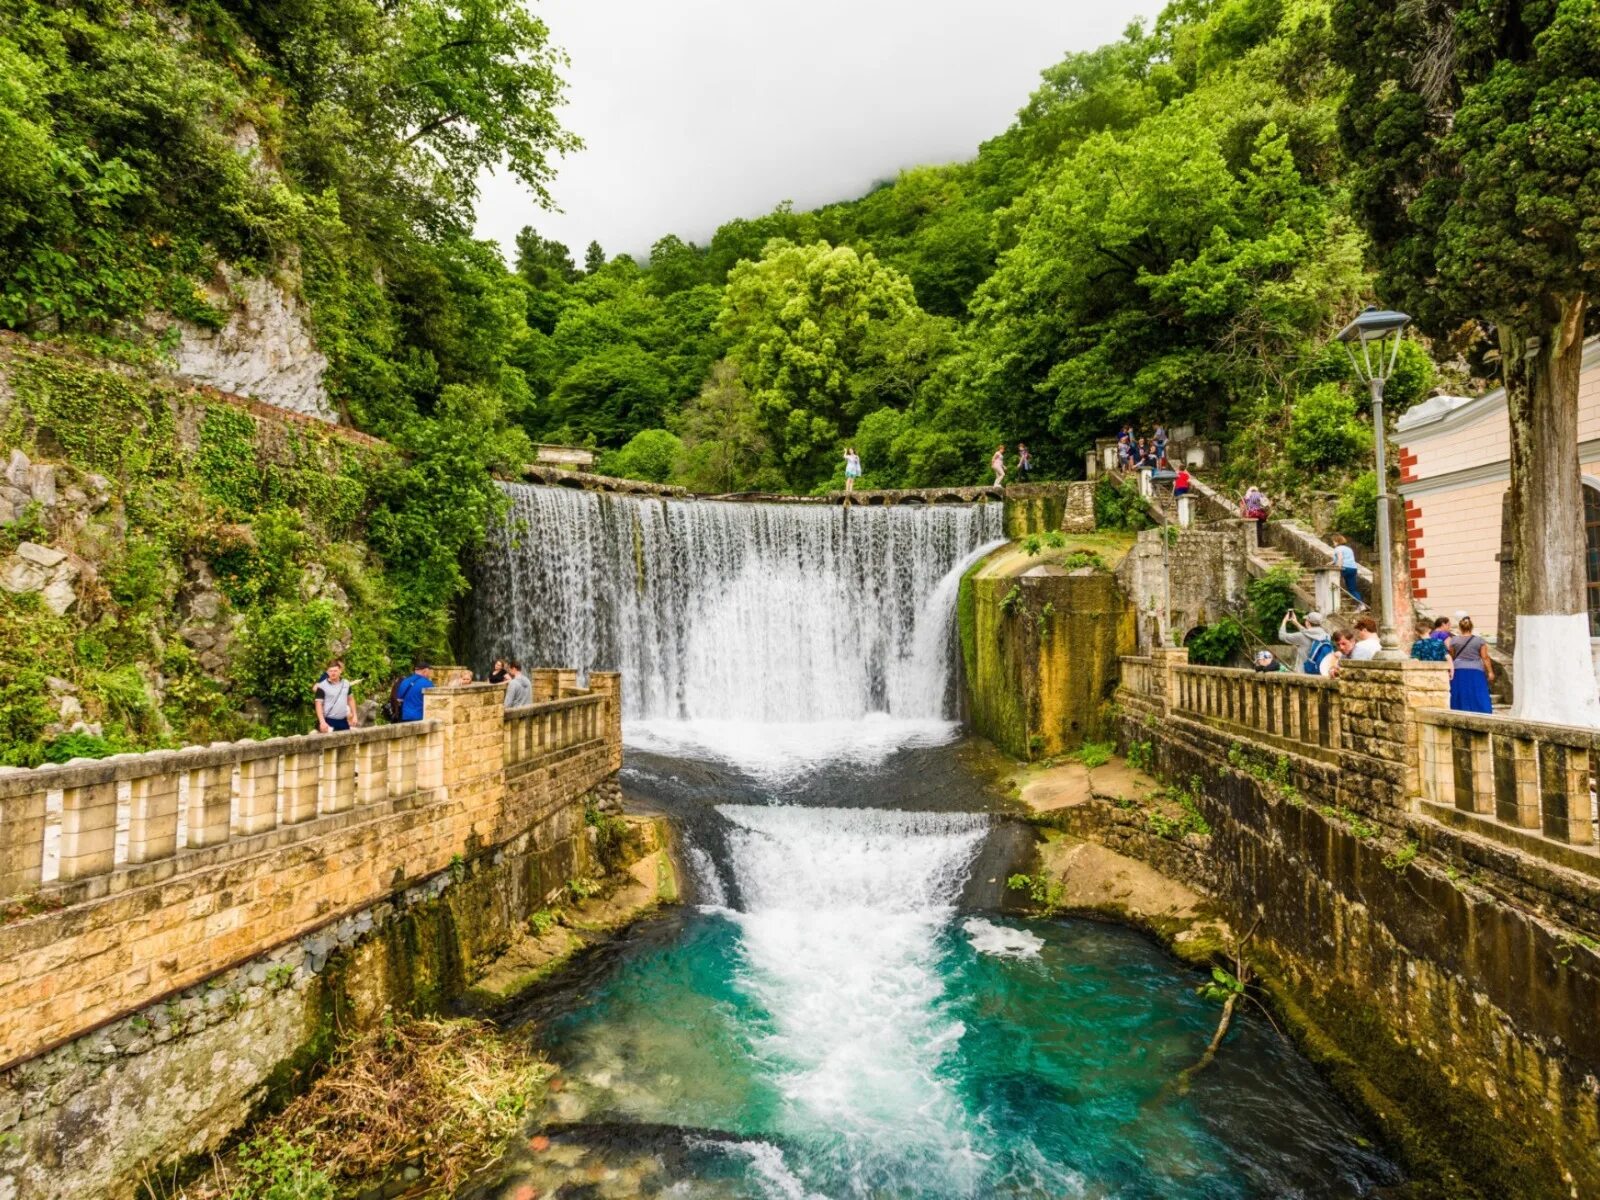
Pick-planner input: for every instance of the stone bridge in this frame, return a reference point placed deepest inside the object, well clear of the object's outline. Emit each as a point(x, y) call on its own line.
point(871, 497)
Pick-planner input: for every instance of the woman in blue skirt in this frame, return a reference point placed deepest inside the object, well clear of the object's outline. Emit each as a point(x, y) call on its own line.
point(1471, 672)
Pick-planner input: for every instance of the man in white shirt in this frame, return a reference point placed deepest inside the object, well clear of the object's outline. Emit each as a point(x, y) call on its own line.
point(1367, 643)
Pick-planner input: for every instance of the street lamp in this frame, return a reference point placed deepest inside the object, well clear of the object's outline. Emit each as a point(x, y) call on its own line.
point(1378, 334)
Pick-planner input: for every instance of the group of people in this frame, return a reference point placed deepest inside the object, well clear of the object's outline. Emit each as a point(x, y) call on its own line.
point(997, 464)
point(333, 695)
point(1136, 453)
point(1317, 652)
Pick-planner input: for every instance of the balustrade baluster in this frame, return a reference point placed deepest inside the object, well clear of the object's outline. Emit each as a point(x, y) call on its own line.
point(258, 795)
point(402, 769)
point(297, 787)
point(21, 843)
point(337, 779)
point(372, 772)
point(209, 809)
point(1566, 803)
point(153, 816)
point(88, 830)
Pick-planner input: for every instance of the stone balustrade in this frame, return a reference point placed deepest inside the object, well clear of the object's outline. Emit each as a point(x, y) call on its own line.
point(142, 815)
point(1139, 675)
point(553, 727)
point(1521, 775)
point(1285, 710)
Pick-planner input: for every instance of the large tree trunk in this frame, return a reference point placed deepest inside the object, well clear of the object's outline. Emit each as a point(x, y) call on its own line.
point(1554, 677)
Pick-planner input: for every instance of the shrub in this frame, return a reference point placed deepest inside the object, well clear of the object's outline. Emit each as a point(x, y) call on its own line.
point(650, 454)
point(1217, 644)
point(1356, 514)
point(284, 652)
point(1270, 597)
point(1324, 431)
point(1120, 507)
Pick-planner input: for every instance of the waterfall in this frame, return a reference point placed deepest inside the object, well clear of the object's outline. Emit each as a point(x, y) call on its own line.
point(764, 613)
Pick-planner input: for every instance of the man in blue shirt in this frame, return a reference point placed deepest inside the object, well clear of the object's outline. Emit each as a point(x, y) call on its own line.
point(410, 689)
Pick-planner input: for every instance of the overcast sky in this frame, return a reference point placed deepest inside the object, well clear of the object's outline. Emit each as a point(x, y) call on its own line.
point(696, 111)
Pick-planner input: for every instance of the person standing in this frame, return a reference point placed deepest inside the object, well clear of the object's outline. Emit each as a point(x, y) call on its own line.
point(1254, 507)
point(1367, 643)
point(1180, 482)
point(519, 691)
point(997, 464)
point(498, 673)
point(409, 691)
point(1441, 630)
point(1471, 671)
point(1024, 460)
point(1349, 578)
point(852, 469)
point(335, 708)
point(1427, 647)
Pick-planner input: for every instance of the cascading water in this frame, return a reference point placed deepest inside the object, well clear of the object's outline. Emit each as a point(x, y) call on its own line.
point(731, 611)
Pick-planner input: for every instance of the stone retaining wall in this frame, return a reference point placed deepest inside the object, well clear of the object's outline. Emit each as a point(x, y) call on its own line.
point(177, 1006)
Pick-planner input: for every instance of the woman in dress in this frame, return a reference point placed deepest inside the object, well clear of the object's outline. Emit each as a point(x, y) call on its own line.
point(997, 464)
point(852, 470)
point(1471, 672)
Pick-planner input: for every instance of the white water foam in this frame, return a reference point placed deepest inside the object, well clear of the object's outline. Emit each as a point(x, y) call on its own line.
point(843, 911)
point(1001, 941)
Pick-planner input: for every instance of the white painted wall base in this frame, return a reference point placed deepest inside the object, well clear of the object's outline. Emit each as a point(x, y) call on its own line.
point(1554, 676)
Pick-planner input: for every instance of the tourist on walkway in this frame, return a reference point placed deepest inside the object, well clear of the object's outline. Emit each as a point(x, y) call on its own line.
point(1441, 630)
point(852, 469)
point(519, 691)
point(1158, 444)
point(1254, 507)
point(498, 673)
point(335, 710)
point(1471, 672)
point(1367, 643)
point(1180, 482)
point(1428, 647)
point(1344, 645)
point(1345, 559)
point(408, 692)
point(1125, 447)
point(1024, 460)
point(1304, 637)
point(997, 464)
point(1266, 663)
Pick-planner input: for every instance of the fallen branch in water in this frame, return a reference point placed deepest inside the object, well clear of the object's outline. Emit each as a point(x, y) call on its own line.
point(1228, 988)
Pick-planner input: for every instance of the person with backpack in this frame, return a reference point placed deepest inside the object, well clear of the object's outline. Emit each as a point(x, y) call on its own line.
point(406, 702)
point(1304, 638)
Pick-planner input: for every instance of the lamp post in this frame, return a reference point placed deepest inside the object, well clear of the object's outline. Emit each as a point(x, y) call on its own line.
point(1378, 334)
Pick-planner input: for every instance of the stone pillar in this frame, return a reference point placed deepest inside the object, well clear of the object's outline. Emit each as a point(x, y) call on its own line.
point(1325, 587)
point(1164, 659)
point(1146, 487)
point(1185, 512)
point(609, 685)
point(1380, 736)
point(1091, 466)
point(472, 720)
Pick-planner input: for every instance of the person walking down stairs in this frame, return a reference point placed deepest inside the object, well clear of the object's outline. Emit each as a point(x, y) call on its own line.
point(1254, 507)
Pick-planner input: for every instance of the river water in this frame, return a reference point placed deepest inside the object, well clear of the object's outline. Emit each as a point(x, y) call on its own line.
point(846, 1008)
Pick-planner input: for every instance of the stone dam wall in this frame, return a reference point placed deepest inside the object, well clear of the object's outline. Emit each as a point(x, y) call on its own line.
point(1443, 970)
point(188, 939)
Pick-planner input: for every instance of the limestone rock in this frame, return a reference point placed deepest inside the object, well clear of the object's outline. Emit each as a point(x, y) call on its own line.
point(17, 468)
point(18, 575)
point(59, 595)
point(45, 556)
point(42, 483)
point(265, 350)
point(71, 709)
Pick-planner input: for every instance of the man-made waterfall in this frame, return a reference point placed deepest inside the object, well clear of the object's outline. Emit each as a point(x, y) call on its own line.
point(739, 612)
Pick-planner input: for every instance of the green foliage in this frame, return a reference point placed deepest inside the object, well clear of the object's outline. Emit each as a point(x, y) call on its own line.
point(1010, 601)
point(1141, 756)
point(1398, 860)
point(1354, 821)
point(1269, 598)
point(610, 838)
point(650, 454)
point(1220, 986)
point(285, 650)
point(1217, 644)
point(543, 921)
point(1324, 432)
point(1046, 893)
point(1120, 506)
point(1356, 513)
point(272, 1167)
point(1093, 754)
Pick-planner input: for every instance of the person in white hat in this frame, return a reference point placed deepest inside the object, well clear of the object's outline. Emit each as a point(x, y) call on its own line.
point(1304, 636)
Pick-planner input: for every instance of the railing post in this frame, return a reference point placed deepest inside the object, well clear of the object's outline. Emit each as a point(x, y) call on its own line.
point(153, 815)
point(297, 784)
point(1438, 778)
point(258, 795)
point(337, 778)
point(88, 830)
point(1567, 807)
point(402, 767)
point(22, 843)
point(430, 760)
point(372, 772)
point(210, 805)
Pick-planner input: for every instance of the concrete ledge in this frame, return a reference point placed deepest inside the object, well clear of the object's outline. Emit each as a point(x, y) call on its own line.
point(1527, 841)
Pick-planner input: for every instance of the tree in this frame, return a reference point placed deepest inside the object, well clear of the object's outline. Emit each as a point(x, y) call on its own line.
point(543, 262)
point(1472, 127)
point(801, 323)
point(594, 259)
point(723, 444)
point(650, 454)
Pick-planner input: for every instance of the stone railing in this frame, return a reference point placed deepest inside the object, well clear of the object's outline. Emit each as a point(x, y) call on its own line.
point(553, 727)
point(1139, 675)
point(153, 811)
point(1521, 775)
point(1293, 712)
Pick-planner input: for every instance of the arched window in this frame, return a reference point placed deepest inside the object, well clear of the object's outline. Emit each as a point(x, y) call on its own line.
point(1591, 559)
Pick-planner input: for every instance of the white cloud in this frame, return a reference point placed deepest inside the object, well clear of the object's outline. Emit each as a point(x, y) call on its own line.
point(696, 111)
